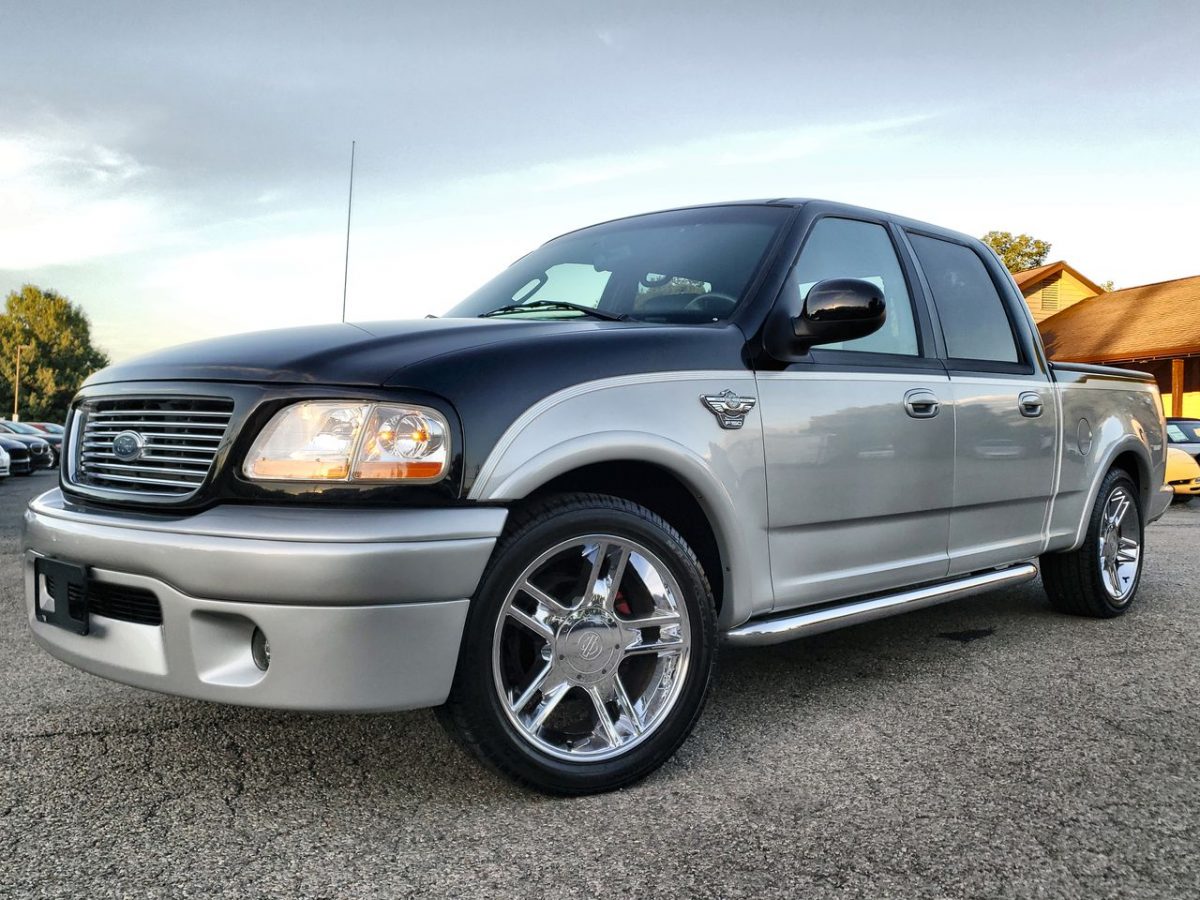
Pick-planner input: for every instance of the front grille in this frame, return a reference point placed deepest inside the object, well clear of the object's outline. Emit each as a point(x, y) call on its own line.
point(114, 601)
point(176, 439)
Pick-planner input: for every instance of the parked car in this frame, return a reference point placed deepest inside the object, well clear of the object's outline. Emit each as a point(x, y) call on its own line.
point(542, 512)
point(5, 463)
point(52, 441)
point(1183, 474)
point(1184, 434)
point(18, 455)
point(48, 427)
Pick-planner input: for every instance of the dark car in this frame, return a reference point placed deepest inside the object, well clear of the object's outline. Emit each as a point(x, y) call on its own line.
point(1184, 434)
point(43, 451)
point(47, 427)
point(18, 453)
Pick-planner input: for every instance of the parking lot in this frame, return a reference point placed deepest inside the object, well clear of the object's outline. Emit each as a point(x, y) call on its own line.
point(985, 749)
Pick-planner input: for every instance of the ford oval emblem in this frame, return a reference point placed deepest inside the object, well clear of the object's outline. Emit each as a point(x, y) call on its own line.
point(128, 446)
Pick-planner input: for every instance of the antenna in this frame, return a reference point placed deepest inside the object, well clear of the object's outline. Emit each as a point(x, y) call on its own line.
point(349, 207)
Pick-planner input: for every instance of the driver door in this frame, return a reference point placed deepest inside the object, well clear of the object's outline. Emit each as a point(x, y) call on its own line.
point(859, 439)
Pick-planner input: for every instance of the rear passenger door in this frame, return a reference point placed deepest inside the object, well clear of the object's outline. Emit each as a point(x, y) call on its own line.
point(1006, 426)
point(859, 437)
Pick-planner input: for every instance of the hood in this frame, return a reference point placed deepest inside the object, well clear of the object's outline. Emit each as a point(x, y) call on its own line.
point(342, 354)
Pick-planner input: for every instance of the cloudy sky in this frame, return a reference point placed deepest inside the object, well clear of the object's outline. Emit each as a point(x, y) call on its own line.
point(180, 169)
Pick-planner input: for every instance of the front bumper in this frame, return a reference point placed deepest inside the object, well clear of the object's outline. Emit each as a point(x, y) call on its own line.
point(363, 609)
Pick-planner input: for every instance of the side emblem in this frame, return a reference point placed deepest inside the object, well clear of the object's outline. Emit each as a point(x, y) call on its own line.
point(128, 446)
point(729, 408)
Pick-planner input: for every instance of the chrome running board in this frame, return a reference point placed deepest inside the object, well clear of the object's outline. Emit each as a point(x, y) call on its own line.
point(802, 623)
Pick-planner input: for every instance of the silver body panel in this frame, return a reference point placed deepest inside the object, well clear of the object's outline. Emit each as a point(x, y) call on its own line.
point(1004, 471)
point(658, 419)
point(345, 658)
point(859, 492)
point(363, 610)
point(279, 555)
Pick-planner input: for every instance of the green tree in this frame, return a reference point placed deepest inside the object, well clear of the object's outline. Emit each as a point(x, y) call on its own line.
point(57, 353)
point(1019, 252)
point(1106, 286)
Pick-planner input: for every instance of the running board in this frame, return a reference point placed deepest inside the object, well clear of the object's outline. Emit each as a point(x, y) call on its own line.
point(777, 629)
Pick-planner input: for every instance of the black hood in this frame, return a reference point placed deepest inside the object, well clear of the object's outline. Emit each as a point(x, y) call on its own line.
point(342, 354)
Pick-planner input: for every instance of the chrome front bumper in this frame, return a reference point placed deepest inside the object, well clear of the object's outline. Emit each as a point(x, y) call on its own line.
point(363, 609)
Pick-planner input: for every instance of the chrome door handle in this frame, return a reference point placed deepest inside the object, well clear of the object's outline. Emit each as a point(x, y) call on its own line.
point(921, 403)
point(1030, 404)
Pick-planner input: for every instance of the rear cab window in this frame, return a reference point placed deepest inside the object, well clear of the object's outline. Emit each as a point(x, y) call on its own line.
point(975, 322)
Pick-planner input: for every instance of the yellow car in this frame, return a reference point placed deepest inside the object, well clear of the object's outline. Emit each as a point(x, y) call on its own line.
point(1183, 474)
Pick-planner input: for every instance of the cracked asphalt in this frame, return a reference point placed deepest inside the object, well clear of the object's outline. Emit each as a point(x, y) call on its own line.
point(989, 748)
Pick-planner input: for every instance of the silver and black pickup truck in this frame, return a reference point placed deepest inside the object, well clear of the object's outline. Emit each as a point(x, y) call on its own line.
point(543, 512)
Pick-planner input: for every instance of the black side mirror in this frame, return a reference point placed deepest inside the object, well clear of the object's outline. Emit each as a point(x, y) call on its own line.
point(837, 309)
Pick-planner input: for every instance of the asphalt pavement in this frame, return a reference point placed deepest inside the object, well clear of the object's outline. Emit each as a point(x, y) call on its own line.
point(989, 748)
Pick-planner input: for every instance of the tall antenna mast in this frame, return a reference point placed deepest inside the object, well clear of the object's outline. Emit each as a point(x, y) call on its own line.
point(349, 208)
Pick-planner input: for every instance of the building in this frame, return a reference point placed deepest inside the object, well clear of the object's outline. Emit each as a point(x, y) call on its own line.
point(1054, 287)
point(1154, 328)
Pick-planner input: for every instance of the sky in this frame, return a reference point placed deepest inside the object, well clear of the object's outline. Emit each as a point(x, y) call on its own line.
point(181, 170)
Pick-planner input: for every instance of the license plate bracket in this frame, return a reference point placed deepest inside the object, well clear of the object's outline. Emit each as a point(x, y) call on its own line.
point(64, 585)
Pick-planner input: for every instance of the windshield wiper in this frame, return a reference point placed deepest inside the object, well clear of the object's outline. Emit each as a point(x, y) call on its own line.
point(554, 304)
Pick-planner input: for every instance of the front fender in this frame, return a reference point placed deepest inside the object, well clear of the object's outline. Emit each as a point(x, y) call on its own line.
point(662, 422)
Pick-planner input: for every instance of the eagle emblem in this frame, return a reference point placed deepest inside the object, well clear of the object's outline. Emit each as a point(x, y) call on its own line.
point(729, 408)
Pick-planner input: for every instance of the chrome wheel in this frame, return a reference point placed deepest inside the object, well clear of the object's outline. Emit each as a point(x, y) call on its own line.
point(1120, 545)
point(591, 648)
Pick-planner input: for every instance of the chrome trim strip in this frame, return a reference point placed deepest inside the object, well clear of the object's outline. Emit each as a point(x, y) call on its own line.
point(777, 629)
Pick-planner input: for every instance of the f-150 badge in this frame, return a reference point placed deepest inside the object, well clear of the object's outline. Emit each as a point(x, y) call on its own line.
point(729, 408)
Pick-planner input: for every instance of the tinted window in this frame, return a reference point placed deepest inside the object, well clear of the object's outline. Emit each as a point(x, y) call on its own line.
point(974, 322)
point(843, 248)
point(685, 266)
point(1183, 431)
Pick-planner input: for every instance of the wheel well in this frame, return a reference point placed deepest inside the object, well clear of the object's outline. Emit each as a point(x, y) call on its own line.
point(660, 491)
point(1132, 464)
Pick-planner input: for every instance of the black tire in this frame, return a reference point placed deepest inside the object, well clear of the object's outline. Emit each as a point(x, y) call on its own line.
point(1181, 499)
point(1073, 580)
point(474, 714)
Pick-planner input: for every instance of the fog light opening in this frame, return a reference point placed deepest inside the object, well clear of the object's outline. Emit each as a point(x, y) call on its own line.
point(260, 649)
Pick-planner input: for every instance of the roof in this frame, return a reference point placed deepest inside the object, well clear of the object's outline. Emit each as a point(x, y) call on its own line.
point(1031, 277)
point(1149, 321)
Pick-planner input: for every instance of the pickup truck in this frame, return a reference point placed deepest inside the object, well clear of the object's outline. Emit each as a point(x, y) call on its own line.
point(543, 512)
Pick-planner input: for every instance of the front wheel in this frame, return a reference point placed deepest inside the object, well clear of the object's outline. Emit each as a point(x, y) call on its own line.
point(588, 648)
point(1100, 578)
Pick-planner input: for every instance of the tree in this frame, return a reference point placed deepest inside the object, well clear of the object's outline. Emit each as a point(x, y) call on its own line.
point(1017, 253)
point(1106, 286)
point(57, 353)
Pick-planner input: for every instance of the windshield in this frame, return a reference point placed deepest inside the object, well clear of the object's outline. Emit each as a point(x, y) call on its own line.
point(19, 427)
point(687, 266)
point(1183, 431)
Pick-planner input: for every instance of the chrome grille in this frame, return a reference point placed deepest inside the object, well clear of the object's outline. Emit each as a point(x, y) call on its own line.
point(176, 437)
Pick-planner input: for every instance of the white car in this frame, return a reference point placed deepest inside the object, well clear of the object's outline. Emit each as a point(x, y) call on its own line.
point(5, 463)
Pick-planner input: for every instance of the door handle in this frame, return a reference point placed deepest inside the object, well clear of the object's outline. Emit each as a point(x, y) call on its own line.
point(921, 403)
point(1030, 404)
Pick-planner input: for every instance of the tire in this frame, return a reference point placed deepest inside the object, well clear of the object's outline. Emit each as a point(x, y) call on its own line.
point(540, 674)
point(1099, 578)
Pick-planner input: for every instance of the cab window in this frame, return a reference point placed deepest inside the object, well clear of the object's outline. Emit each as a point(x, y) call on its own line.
point(845, 248)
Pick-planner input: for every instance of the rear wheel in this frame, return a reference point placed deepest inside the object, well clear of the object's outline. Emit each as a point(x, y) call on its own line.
point(588, 648)
point(1100, 578)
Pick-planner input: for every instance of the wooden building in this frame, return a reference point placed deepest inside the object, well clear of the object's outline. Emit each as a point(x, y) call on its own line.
point(1054, 287)
point(1154, 328)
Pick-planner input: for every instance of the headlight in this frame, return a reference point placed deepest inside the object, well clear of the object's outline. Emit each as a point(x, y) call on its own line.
point(323, 440)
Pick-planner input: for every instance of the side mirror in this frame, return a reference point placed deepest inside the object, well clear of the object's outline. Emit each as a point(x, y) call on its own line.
point(837, 309)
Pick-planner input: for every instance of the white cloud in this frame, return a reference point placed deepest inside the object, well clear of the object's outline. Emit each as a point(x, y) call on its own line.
point(68, 199)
